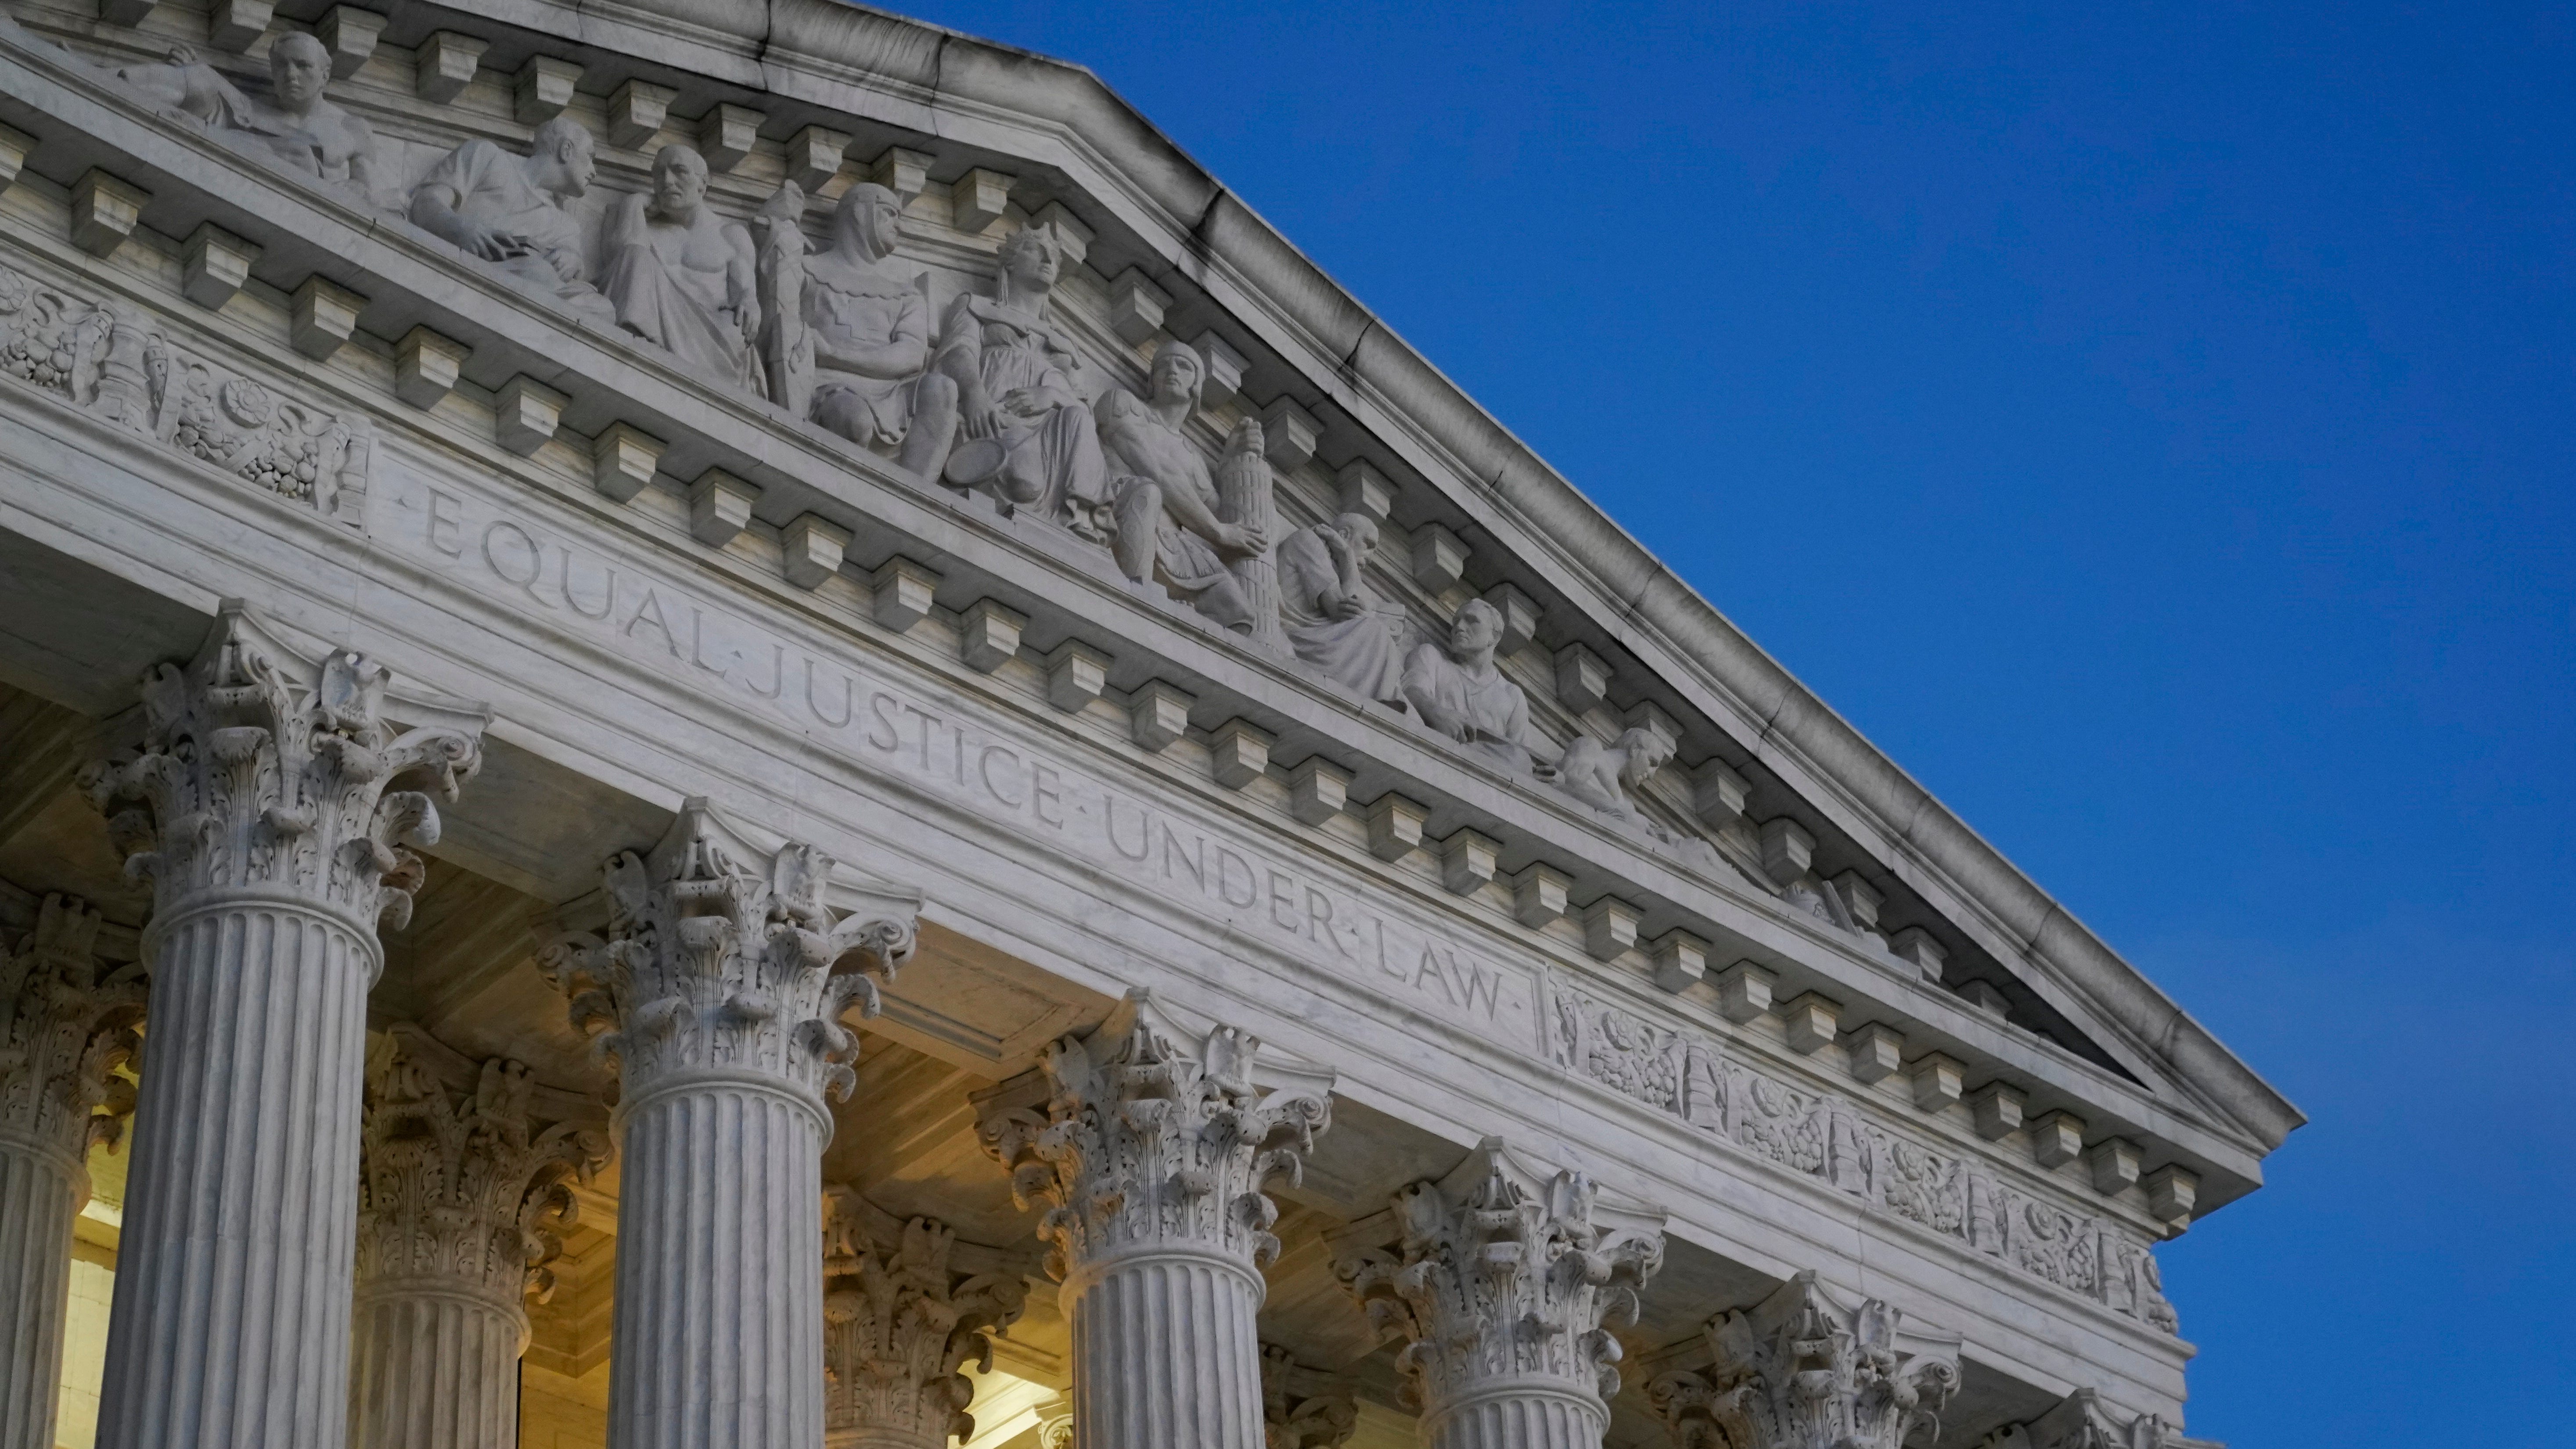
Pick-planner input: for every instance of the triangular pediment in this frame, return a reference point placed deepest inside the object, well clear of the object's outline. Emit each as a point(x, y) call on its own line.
point(934, 278)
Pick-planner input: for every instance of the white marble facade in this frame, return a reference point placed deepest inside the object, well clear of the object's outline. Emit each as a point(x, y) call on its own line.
point(735, 725)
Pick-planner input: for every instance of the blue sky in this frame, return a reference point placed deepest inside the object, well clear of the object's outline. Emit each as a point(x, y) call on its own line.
point(2152, 426)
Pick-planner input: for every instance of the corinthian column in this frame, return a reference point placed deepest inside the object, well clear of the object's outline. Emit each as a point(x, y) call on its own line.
point(1805, 1370)
point(1151, 1153)
point(905, 1306)
point(461, 1206)
point(265, 812)
point(1504, 1280)
point(718, 991)
point(65, 1027)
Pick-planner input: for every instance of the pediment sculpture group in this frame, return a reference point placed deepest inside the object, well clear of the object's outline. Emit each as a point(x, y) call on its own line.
point(987, 394)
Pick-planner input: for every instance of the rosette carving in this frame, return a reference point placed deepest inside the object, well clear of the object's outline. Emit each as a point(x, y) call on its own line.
point(259, 771)
point(718, 960)
point(905, 1307)
point(1500, 1275)
point(464, 1187)
point(1139, 1138)
point(67, 1023)
point(1801, 1370)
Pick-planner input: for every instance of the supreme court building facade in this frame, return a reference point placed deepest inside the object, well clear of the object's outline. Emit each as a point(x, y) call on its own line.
point(737, 725)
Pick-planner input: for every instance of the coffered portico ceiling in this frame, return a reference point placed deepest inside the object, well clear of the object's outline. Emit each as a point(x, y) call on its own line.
point(892, 439)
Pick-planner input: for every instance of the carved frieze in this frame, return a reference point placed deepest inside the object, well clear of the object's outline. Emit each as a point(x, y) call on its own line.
point(108, 360)
point(1825, 1136)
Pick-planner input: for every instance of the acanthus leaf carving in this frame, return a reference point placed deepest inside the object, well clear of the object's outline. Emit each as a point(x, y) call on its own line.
point(2082, 1421)
point(715, 960)
point(465, 1187)
point(104, 358)
point(68, 1026)
point(1805, 1370)
point(1302, 1407)
point(906, 1307)
point(1501, 1273)
point(1140, 1138)
point(258, 770)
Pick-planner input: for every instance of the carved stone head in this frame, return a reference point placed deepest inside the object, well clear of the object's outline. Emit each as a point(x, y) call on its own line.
point(1479, 627)
point(679, 181)
point(1359, 530)
point(298, 68)
point(864, 222)
point(1179, 375)
point(1032, 258)
point(562, 157)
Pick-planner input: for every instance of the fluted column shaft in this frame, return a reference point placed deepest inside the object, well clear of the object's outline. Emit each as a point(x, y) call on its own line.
point(41, 1192)
point(719, 1308)
point(66, 1026)
point(230, 1325)
point(264, 806)
point(1513, 1418)
point(435, 1368)
point(1166, 1352)
point(719, 991)
point(1153, 1150)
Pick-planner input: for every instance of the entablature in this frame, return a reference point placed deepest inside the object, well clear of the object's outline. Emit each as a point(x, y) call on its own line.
point(969, 589)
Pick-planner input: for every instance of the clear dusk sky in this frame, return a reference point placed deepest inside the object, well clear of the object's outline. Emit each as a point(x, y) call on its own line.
point(2152, 426)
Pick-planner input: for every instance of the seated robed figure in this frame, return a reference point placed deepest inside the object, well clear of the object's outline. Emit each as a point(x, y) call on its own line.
point(868, 318)
point(682, 277)
point(514, 213)
point(1024, 426)
point(1458, 691)
point(1168, 526)
point(1331, 616)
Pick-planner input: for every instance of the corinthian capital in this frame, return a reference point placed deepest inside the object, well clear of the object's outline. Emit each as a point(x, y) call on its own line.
point(1304, 1408)
point(260, 771)
point(2082, 1421)
point(1142, 1138)
point(1804, 1370)
point(719, 958)
point(66, 1025)
point(1501, 1276)
point(465, 1182)
point(905, 1307)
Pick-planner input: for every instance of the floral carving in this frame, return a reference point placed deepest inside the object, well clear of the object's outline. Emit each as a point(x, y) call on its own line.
point(905, 1306)
point(712, 964)
point(1802, 1370)
point(258, 770)
point(1501, 1272)
point(107, 360)
point(1136, 1139)
point(1826, 1137)
point(1304, 1408)
point(67, 1024)
point(464, 1187)
point(2082, 1421)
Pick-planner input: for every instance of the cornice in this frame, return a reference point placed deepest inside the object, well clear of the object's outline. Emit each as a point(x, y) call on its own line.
point(1714, 668)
